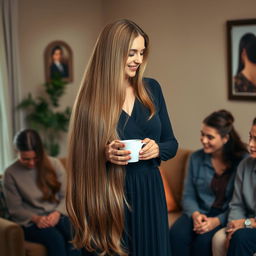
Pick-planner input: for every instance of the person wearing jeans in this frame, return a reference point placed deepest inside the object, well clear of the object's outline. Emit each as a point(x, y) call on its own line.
point(35, 190)
point(208, 186)
point(239, 237)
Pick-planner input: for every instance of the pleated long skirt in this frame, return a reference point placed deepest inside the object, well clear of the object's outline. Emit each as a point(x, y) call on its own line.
point(146, 224)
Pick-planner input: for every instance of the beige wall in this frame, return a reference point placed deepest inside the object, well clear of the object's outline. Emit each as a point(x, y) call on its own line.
point(188, 50)
point(76, 22)
point(188, 57)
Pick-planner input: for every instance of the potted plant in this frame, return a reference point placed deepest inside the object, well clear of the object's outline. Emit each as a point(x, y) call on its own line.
point(43, 115)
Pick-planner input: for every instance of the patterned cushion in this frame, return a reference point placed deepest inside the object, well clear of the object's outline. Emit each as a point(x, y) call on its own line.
point(3, 207)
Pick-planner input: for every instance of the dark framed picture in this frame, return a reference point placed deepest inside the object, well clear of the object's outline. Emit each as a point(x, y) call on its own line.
point(241, 59)
point(58, 61)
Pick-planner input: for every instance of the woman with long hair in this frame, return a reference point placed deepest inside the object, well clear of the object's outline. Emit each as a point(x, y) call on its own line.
point(209, 186)
point(35, 189)
point(116, 207)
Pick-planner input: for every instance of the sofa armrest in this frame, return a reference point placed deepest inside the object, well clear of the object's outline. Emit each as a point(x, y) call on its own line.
point(11, 239)
point(174, 171)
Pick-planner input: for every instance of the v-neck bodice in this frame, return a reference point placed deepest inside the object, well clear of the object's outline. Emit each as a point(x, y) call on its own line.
point(133, 106)
point(138, 125)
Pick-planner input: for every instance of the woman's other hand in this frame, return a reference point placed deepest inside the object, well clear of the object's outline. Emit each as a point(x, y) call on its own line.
point(208, 225)
point(199, 220)
point(150, 150)
point(41, 221)
point(232, 227)
point(53, 218)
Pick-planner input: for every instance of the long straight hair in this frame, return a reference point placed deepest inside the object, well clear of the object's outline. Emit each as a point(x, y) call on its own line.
point(95, 194)
point(46, 178)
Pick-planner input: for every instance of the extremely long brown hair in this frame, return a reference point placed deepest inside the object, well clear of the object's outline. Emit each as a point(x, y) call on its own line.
point(95, 197)
point(46, 178)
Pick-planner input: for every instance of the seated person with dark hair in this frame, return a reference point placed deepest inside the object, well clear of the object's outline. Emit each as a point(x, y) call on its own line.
point(208, 187)
point(35, 188)
point(240, 235)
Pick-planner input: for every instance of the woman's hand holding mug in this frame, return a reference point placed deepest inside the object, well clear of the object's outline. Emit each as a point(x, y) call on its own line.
point(115, 154)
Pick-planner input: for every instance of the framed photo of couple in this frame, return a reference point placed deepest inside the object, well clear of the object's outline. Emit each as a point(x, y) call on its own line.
point(241, 46)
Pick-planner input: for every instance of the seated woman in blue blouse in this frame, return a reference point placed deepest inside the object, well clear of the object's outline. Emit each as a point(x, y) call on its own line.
point(35, 188)
point(208, 187)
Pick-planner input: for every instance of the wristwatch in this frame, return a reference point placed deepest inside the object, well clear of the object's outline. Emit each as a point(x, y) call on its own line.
point(247, 223)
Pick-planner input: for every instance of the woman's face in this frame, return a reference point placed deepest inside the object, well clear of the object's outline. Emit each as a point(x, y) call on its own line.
point(57, 55)
point(252, 141)
point(27, 158)
point(135, 57)
point(211, 140)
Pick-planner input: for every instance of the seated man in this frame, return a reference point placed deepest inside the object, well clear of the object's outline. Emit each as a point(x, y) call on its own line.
point(239, 238)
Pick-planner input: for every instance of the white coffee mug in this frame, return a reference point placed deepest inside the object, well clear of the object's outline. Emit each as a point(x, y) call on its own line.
point(134, 146)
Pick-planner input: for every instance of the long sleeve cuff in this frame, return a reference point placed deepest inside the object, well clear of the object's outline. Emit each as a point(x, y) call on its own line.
point(61, 208)
point(223, 218)
point(167, 149)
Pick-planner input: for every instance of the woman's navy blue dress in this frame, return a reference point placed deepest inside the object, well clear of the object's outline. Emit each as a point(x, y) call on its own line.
point(146, 227)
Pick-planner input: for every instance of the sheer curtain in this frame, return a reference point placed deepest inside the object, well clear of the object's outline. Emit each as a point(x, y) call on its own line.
point(10, 119)
point(10, 23)
point(6, 153)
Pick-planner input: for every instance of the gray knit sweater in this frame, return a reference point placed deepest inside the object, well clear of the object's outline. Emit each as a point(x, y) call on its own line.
point(243, 203)
point(24, 198)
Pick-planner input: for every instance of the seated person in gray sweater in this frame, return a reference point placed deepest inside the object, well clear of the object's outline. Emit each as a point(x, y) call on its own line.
point(239, 237)
point(35, 187)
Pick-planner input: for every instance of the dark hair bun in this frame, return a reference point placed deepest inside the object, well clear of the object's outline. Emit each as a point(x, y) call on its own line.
point(227, 116)
point(222, 120)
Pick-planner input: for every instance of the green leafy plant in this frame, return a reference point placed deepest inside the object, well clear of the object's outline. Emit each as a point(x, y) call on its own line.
point(43, 114)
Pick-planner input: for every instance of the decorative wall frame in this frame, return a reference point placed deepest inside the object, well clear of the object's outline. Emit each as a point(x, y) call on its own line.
point(241, 46)
point(58, 59)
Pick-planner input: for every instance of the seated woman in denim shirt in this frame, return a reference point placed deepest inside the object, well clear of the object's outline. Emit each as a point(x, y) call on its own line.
point(208, 187)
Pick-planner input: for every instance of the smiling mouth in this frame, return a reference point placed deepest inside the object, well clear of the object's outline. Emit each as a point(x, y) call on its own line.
point(133, 67)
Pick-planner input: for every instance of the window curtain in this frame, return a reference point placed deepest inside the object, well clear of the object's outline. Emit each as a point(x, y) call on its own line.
point(6, 153)
point(10, 119)
point(10, 30)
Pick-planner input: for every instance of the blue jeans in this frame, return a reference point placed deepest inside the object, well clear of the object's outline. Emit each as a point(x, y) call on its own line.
point(185, 242)
point(243, 243)
point(55, 239)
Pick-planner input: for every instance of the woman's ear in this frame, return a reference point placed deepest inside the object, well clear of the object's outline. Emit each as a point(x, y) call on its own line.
point(226, 139)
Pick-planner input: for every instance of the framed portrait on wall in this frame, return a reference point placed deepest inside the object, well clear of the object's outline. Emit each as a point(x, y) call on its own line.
point(58, 61)
point(241, 40)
